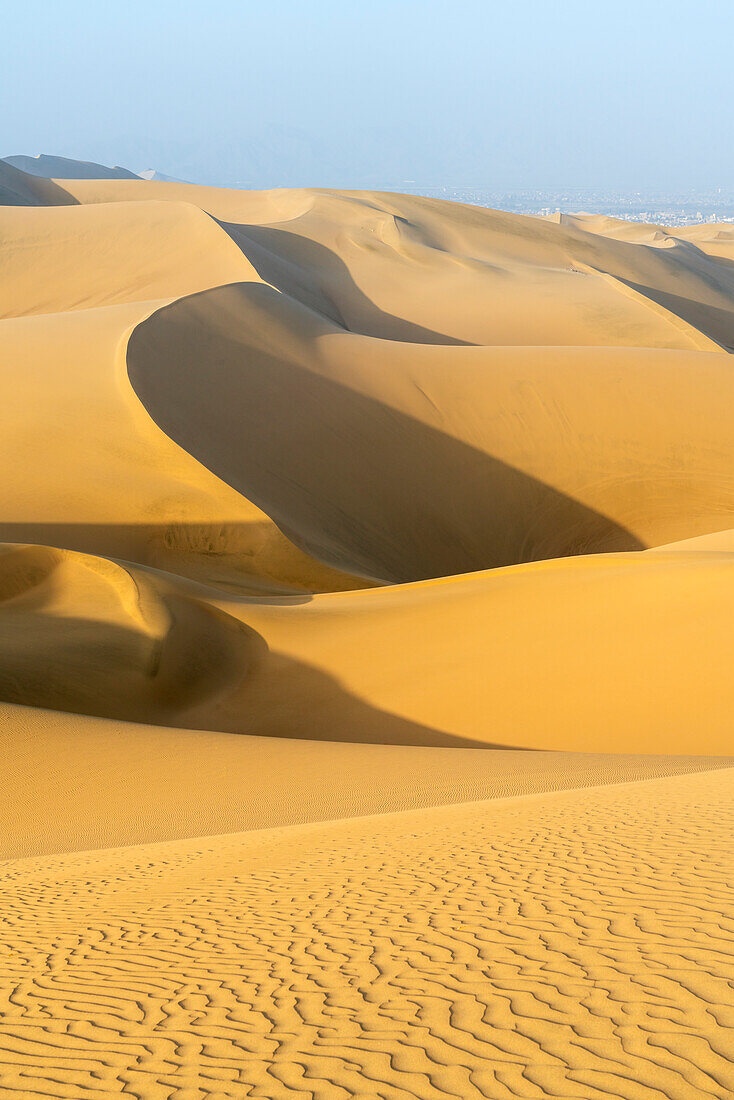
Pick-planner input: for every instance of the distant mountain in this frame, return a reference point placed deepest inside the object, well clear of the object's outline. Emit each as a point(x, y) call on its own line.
point(154, 174)
point(18, 188)
point(63, 168)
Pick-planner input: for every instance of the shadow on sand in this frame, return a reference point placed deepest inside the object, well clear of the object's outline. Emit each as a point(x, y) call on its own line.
point(318, 278)
point(357, 484)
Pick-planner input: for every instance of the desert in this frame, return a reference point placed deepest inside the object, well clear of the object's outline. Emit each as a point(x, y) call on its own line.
point(366, 619)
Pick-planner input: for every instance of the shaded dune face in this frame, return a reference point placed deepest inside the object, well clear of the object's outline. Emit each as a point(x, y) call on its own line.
point(428, 272)
point(463, 662)
point(363, 485)
point(89, 635)
point(86, 634)
point(406, 462)
point(18, 188)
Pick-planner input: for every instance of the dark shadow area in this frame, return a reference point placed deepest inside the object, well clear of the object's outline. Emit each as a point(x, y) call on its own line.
point(658, 273)
point(318, 278)
point(220, 555)
point(716, 323)
point(225, 680)
point(100, 667)
point(352, 481)
point(18, 188)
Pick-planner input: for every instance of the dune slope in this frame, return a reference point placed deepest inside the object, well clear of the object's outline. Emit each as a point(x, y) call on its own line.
point(463, 661)
point(506, 455)
point(101, 783)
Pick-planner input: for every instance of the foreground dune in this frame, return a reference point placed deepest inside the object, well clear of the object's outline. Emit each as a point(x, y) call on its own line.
point(352, 745)
point(568, 945)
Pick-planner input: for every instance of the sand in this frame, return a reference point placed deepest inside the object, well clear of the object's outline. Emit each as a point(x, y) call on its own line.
point(366, 604)
point(570, 944)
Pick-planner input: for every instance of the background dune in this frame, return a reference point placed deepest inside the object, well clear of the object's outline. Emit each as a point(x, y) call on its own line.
point(20, 189)
point(111, 261)
point(508, 454)
point(353, 745)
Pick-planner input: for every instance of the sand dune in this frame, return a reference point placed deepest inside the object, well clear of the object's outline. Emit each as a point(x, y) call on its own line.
point(20, 189)
point(449, 662)
point(108, 640)
point(154, 174)
point(717, 541)
point(508, 455)
point(111, 261)
point(352, 745)
point(100, 477)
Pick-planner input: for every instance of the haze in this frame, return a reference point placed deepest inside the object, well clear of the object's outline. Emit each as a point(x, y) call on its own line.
point(622, 95)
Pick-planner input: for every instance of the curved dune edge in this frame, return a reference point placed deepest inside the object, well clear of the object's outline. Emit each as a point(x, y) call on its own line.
point(113, 484)
point(111, 261)
point(719, 542)
point(640, 643)
point(109, 640)
point(409, 268)
point(585, 456)
point(556, 945)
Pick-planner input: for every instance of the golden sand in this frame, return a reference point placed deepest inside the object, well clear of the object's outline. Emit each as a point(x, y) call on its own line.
point(366, 618)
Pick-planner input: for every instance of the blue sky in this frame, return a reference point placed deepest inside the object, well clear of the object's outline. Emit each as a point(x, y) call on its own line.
point(492, 95)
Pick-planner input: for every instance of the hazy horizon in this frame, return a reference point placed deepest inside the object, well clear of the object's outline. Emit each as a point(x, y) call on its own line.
point(628, 97)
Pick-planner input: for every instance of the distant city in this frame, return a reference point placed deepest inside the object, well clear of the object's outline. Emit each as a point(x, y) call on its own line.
point(655, 207)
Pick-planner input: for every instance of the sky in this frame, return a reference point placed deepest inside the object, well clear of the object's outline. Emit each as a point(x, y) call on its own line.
point(513, 95)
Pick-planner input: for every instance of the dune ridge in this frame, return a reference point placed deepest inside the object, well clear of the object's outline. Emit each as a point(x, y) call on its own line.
point(366, 591)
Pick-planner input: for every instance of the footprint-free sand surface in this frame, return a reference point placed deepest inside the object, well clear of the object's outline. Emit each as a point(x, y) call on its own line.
point(366, 620)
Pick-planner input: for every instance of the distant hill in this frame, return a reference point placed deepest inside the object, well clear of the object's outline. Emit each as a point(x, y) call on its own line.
point(154, 174)
point(63, 168)
point(18, 188)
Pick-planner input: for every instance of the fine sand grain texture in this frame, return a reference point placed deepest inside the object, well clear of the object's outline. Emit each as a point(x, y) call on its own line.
point(366, 620)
